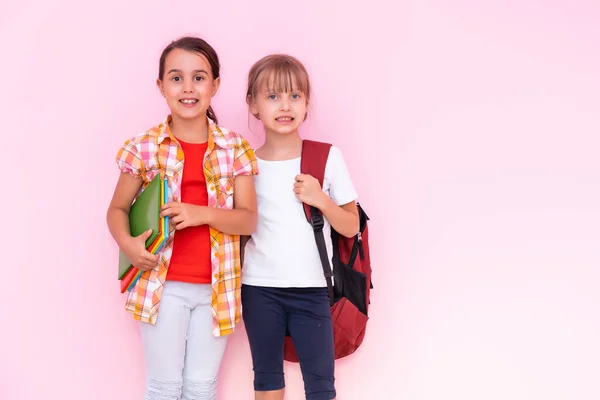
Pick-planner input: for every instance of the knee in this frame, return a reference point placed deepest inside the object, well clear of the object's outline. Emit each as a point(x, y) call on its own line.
point(163, 390)
point(200, 389)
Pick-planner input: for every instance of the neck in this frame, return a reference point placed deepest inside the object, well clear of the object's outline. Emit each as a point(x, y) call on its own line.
point(281, 147)
point(191, 131)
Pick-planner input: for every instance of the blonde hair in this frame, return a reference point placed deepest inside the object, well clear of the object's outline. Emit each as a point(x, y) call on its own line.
point(281, 72)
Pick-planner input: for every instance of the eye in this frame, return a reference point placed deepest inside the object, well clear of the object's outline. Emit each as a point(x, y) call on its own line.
point(198, 78)
point(295, 96)
point(176, 79)
point(272, 96)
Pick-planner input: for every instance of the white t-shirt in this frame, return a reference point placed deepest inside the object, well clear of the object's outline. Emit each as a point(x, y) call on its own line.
point(282, 251)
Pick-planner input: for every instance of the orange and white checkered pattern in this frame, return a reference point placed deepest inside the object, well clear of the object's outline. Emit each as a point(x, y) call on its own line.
point(227, 156)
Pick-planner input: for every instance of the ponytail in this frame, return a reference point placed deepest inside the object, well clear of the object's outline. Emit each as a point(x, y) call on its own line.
point(211, 114)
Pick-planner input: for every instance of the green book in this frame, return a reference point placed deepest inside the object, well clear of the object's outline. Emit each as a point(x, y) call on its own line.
point(143, 215)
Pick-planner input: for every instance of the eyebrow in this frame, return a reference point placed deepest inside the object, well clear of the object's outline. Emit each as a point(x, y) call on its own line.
point(195, 71)
point(273, 89)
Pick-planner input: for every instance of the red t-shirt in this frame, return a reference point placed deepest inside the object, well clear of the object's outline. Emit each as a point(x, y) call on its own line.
point(190, 260)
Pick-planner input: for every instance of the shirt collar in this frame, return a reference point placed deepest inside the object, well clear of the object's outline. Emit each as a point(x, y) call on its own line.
point(216, 136)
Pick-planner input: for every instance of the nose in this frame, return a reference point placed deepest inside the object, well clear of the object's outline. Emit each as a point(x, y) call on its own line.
point(285, 104)
point(188, 86)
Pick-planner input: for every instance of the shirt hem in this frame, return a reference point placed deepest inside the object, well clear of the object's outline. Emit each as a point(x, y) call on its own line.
point(284, 283)
point(189, 279)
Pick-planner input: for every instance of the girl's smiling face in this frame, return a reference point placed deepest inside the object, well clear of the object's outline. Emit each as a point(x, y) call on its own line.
point(281, 109)
point(188, 84)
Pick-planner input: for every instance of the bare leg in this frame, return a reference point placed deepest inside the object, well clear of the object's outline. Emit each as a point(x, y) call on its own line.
point(270, 395)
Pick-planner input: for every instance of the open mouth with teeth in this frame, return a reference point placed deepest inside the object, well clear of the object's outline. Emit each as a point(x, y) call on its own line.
point(284, 119)
point(188, 101)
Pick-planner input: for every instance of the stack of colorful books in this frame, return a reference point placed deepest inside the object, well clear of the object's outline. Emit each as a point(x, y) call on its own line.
point(145, 215)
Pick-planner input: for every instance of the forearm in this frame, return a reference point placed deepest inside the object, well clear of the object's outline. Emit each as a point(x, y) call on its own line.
point(238, 221)
point(344, 222)
point(118, 225)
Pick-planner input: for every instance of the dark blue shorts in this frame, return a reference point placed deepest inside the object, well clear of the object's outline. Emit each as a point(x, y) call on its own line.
point(303, 312)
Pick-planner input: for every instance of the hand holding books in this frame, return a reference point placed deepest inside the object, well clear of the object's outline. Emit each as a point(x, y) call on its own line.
point(149, 230)
point(137, 253)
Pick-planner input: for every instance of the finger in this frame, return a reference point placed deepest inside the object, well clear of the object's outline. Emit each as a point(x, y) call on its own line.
point(149, 256)
point(143, 264)
point(171, 206)
point(177, 219)
point(300, 177)
point(149, 261)
point(147, 266)
point(304, 177)
point(146, 234)
point(181, 225)
point(171, 212)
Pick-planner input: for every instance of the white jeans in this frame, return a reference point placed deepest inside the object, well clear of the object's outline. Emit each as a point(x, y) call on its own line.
point(182, 356)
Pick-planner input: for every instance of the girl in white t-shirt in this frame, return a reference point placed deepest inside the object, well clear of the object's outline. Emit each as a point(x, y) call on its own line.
point(283, 286)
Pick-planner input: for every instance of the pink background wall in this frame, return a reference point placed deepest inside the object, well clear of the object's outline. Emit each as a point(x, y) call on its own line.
point(477, 123)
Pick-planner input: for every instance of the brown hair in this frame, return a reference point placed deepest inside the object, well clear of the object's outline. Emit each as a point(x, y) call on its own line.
point(195, 45)
point(281, 71)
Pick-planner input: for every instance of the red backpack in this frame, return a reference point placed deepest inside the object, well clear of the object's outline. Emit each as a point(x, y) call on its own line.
point(350, 297)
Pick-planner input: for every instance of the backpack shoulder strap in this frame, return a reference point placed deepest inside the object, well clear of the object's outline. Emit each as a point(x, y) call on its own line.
point(313, 161)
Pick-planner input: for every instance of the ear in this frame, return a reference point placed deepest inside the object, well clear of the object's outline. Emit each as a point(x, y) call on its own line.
point(216, 85)
point(159, 84)
point(253, 107)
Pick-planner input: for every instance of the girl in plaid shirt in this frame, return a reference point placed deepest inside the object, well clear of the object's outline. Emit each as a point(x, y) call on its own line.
point(195, 280)
point(284, 289)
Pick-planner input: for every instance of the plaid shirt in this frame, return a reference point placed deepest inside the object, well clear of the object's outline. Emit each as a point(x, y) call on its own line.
point(228, 155)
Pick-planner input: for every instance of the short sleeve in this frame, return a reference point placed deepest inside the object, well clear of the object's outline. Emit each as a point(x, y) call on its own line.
point(129, 160)
point(341, 188)
point(244, 162)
